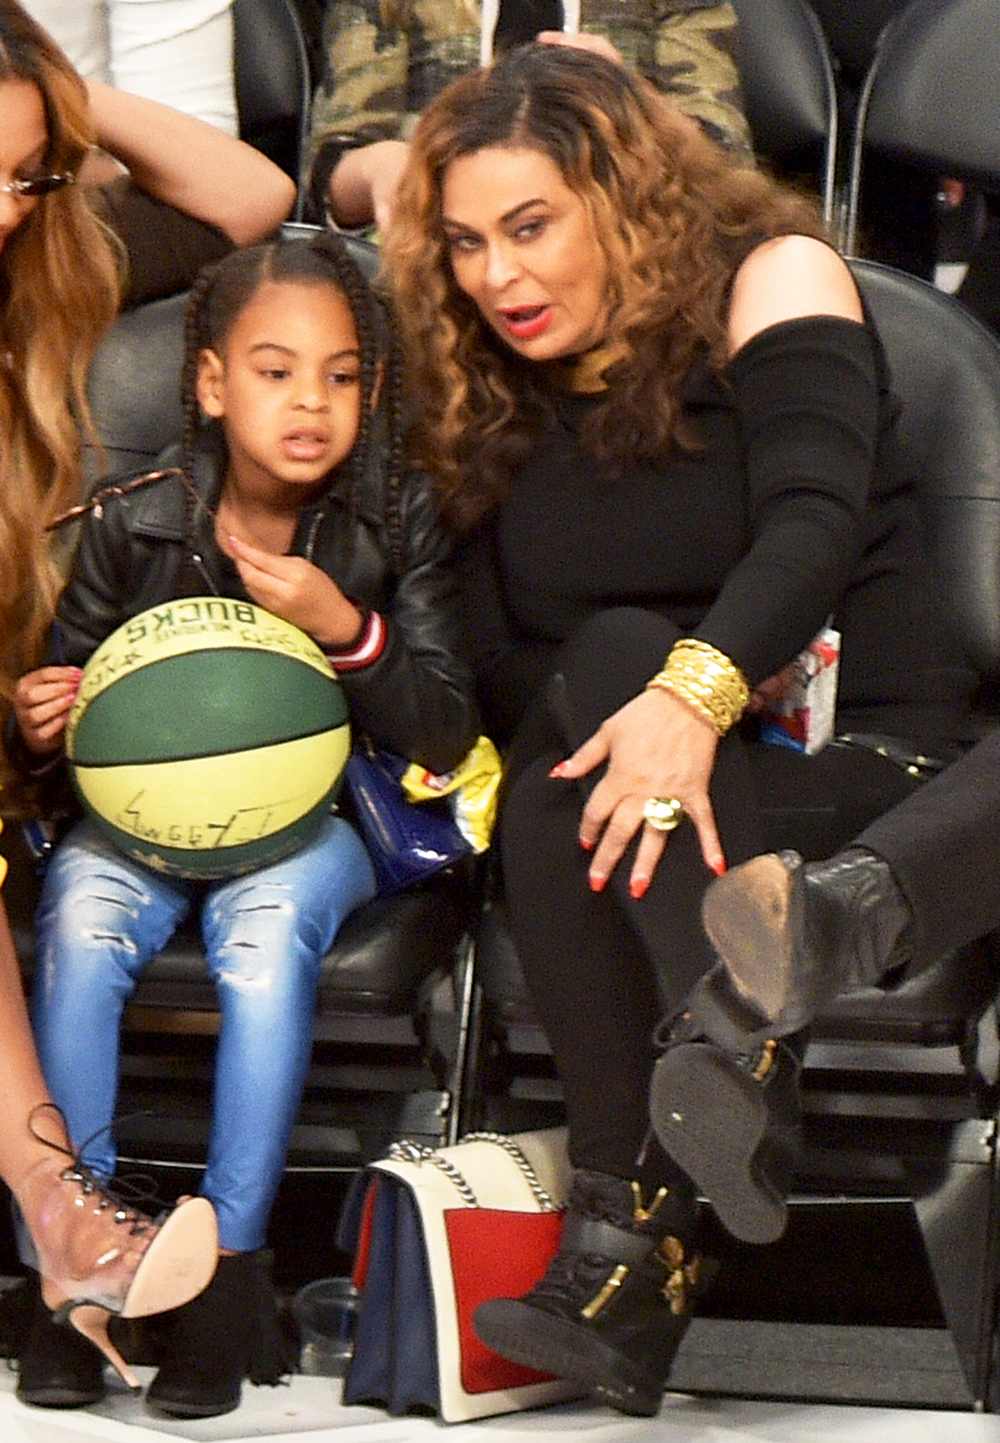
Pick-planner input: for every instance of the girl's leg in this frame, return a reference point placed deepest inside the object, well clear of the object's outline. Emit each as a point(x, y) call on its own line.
point(100, 921)
point(265, 938)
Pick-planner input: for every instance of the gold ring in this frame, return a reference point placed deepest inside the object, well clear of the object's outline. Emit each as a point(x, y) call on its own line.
point(663, 813)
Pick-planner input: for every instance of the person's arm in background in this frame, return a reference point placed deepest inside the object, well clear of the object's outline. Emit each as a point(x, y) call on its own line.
point(686, 48)
point(192, 166)
point(695, 64)
point(357, 149)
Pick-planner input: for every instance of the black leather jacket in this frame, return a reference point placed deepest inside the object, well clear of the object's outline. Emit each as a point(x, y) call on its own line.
point(157, 544)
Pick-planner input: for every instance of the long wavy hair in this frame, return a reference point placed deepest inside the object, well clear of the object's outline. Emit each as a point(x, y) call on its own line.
point(672, 213)
point(59, 291)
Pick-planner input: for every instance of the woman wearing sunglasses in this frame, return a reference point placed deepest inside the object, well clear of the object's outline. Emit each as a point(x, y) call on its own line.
point(70, 256)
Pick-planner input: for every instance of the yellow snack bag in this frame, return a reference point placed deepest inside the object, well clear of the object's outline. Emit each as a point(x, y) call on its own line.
point(471, 790)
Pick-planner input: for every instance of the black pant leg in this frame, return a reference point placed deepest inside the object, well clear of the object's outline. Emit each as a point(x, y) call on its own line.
point(603, 968)
point(591, 983)
point(819, 804)
point(943, 846)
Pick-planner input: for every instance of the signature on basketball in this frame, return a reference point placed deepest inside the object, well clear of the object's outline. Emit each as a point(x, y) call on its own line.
point(246, 824)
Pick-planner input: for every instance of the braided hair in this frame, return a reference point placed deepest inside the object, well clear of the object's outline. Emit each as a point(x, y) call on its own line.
point(224, 289)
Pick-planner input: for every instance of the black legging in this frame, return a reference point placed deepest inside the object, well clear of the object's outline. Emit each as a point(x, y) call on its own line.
point(602, 969)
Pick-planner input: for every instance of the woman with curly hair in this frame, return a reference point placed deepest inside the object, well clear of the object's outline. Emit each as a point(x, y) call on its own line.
point(69, 256)
point(660, 415)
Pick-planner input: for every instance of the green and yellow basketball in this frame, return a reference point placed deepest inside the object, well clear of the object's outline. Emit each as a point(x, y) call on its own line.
point(208, 737)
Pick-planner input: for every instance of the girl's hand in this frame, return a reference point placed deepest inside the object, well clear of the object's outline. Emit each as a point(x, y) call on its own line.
point(654, 746)
point(42, 701)
point(297, 591)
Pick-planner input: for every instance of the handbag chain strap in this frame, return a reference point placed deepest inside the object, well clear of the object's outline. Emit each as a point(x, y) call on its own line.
point(408, 1151)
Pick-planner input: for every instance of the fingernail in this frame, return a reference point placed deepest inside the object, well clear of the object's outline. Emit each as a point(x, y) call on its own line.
point(558, 770)
point(597, 883)
point(586, 844)
point(719, 868)
point(638, 887)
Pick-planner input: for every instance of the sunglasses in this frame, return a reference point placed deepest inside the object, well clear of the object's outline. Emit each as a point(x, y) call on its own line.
point(36, 185)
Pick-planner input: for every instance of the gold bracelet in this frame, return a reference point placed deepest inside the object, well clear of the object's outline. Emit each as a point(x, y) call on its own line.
point(707, 680)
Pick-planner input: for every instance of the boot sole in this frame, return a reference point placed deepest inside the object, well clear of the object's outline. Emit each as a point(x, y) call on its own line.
point(751, 918)
point(548, 1344)
point(178, 1264)
point(711, 1118)
point(59, 1397)
point(189, 1410)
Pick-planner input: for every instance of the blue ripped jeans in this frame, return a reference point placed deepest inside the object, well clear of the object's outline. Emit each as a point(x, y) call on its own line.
point(102, 918)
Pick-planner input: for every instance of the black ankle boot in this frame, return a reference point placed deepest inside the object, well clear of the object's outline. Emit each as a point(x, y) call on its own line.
point(228, 1333)
point(57, 1367)
point(612, 1308)
point(730, 1115)
point(792, 935)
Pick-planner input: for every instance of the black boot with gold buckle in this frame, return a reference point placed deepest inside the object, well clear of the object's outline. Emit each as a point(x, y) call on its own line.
point(727, 1110)
point(614, 1304)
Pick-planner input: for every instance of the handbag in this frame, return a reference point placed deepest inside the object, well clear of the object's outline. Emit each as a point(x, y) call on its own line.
point(436, 1232)
point(407, 842)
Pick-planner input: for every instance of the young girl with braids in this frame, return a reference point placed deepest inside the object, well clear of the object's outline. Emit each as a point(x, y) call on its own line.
point(289, 492)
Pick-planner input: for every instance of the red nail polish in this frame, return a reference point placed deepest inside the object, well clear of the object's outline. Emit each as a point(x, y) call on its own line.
point(586, 844)
point(719, 868)
point(597, 883)
point(638, 887)
point(557, 770)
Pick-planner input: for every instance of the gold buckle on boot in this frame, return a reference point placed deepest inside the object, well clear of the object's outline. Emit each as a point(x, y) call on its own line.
point(681, 1275)
point(765, 1061)
point(606, 1293)
point(640, 1214)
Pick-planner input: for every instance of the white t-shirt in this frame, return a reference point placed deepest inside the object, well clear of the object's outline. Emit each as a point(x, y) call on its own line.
point(179, 52)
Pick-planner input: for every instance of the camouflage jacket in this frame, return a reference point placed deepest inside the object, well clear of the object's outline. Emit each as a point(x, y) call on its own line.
point(378, 76)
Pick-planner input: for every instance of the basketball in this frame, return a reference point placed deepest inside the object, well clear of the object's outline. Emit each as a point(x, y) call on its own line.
point(208, 737)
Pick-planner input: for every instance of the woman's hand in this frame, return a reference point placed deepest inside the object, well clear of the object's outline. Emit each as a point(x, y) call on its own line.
point(654, 746)
point(297, 591)
point(42, 702)
point(583, 40)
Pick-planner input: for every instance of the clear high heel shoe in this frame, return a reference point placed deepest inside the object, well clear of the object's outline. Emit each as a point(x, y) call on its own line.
point(98, 1255)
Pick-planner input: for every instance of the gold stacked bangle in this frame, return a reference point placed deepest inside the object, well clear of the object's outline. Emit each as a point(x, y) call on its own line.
point(707, 680)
